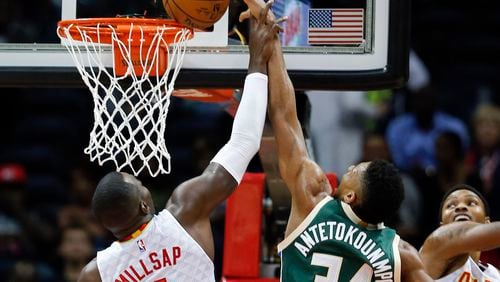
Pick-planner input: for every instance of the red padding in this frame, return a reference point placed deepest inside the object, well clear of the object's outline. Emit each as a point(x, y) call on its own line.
point(243, 229)
point(332, 177)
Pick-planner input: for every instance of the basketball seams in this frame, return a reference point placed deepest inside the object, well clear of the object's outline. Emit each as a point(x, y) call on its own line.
point(186, 13)
point(185, 16)
point(194, 16)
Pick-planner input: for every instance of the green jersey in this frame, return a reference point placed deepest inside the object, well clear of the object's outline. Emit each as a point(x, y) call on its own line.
point(329, 245)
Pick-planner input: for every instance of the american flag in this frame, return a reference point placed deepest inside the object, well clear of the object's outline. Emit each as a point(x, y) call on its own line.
point(335, 26)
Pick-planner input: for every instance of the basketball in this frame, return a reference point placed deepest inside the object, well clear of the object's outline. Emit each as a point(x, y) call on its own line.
point(196, 13)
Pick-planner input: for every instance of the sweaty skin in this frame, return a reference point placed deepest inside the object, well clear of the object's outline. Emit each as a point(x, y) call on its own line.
point(193, 201)
point(465, 231)
point(305, 180)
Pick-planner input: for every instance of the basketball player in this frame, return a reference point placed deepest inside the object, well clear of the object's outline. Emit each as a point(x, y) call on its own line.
point(177, 244)
point(341, 238)
point(451, 252)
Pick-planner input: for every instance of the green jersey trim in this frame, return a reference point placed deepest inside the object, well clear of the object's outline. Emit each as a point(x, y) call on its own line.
point(397, 258)
point(303, 225)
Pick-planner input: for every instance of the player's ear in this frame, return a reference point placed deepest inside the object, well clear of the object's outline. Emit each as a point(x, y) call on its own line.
point(349, 197)
point(144, 207)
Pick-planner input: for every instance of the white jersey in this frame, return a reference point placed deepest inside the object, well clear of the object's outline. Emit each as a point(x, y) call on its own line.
point(163, 252)
point(471, 272)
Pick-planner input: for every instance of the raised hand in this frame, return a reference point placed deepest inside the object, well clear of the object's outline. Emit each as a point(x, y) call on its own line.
point(262, 34)
point(254, 9)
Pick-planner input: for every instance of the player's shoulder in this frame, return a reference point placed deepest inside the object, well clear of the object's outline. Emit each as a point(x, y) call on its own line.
point(412, 267)
point(90, 273)
point(406, 247)
point(409, 255)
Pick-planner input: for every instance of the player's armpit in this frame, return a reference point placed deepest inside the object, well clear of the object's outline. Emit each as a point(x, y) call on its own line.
point(313, 180)
point(90, 273)
point(196, 198)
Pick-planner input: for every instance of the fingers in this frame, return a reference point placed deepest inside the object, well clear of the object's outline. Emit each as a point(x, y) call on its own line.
point(264, 16)
point(245, 15)
point(265, 11)
point(255, 6)
point(282, 19)
point(277, 28)
point(276, 25)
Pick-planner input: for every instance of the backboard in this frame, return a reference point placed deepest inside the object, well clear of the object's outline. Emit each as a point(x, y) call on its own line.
point(335, 44)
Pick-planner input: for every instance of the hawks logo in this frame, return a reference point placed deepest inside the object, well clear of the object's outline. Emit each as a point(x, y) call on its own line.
point(141, 245)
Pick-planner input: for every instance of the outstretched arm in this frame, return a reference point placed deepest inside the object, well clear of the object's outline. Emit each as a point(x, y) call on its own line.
point(458, 238)
point(194, 200)
point(304, 178)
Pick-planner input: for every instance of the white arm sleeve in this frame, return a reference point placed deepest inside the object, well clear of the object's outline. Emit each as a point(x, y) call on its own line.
point(247, 127)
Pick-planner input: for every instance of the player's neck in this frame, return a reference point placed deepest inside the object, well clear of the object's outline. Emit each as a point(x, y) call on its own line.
point(135, 229)
point(134, 234)
point(353, 216)
point(475, 256)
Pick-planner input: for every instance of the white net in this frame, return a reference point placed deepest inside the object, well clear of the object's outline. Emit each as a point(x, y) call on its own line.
point(130, 109)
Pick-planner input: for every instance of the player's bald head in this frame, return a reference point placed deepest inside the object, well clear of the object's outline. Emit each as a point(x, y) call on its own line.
point(115, 200)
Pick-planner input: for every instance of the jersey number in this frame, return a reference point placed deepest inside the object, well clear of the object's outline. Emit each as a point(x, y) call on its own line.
point(334, 263)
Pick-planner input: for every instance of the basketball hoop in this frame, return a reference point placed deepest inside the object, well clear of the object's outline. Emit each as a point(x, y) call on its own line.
point(131, 102)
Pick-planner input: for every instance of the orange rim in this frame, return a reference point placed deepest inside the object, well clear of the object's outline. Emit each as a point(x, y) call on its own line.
point(101, 29)
point(204, 95)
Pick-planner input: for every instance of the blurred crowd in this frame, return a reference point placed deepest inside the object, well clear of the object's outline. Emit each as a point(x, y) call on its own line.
point(443, 128)
point(47, 232)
